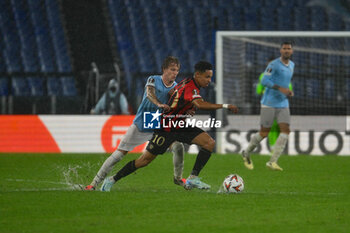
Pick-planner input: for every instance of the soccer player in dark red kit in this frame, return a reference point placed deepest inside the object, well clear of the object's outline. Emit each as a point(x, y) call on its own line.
point(185, 97)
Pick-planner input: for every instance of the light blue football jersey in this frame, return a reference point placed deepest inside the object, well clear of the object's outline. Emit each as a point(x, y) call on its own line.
point(146, 105)
point(281, 75)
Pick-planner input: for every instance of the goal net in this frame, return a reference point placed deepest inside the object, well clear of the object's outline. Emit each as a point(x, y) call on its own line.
point(321, 80)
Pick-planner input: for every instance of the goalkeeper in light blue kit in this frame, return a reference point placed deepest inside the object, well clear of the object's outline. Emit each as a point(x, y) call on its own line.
point(274, 106)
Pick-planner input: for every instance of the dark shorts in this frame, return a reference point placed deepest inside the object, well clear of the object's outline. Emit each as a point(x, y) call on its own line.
point(161, 140)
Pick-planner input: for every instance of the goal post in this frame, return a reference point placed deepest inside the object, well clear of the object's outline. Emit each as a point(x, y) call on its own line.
point(321, 80)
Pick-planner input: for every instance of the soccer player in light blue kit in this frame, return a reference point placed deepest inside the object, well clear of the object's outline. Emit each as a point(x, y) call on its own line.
point(274, 105)
point(154, 98)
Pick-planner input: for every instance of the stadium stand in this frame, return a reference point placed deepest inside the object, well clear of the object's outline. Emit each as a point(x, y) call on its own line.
point(37, 59)
point(4, 84)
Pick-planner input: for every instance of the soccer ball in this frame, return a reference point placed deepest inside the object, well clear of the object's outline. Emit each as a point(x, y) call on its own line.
point(233, 184)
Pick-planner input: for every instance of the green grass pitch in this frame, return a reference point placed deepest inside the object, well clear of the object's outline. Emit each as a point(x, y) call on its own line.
point(312, 194)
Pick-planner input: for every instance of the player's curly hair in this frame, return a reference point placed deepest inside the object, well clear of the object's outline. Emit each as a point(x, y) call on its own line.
point(202, 66)
point(170, 60)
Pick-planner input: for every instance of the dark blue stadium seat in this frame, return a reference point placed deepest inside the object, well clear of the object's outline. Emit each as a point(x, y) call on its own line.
point(222, 16)
point(300, 3)
point(348, 88)
point(301, 18)
point(36, 86)
point(347, 25)
point(30, 60)
point(47, 62)
point(346, 62)
point(347, 44)
point(146, 4)
point(313, 88)
point(58, 37)
point(267, 18)
point(10, 39)
point(336, 43)
point(236, 18)
point(4, 86)
point(63, 62)
point(188, 30)
point(8, 27)
point(298, 86)
point(46, 50)
point(54, 87)
point(210, 4)
point(262, 57)
point(333, 63)
point(329, 88)
point(154, 26)
point(20, 86)
point(13, 60)
point(68, 86)
point(2, 59)
point(251, 18)
point(272, 3)
point(318, 19)
point(203, 28)
point(171, 28)
point(321, 43)
point(289, 4)
point(284, 19)
point(317, 63)
point(147, 62)
point(21, 16)
point(335, 22)
point(302, 60)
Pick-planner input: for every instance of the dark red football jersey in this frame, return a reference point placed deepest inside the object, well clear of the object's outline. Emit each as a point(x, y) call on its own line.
point(180, 102)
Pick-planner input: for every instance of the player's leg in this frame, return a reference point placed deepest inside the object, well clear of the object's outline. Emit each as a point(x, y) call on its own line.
point(106, 167)
point(178, 150)
point(283, 119)
point(145, 159)
point(158, 144)
point(132, 138)
point(207, 144)
point(267, 116)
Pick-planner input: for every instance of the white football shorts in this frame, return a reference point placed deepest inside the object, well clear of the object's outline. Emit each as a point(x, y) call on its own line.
point(269, 114)
point(134, 137)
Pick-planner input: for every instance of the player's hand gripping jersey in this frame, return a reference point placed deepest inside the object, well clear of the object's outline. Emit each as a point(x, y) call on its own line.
point(146, 105)
point(180, 103)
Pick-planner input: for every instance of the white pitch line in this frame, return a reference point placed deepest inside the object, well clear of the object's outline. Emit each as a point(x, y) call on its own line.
point(72, 186)
point(41, 189)
point(290, 193)
point(80, 187)
point(37, 181)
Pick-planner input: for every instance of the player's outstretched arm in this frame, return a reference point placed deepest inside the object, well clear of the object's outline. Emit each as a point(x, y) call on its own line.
point(201, 104)
point(151, 95)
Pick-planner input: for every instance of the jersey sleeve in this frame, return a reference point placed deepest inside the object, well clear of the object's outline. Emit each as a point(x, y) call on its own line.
point(192, 94)
point(266, 80)
point(151, 81)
